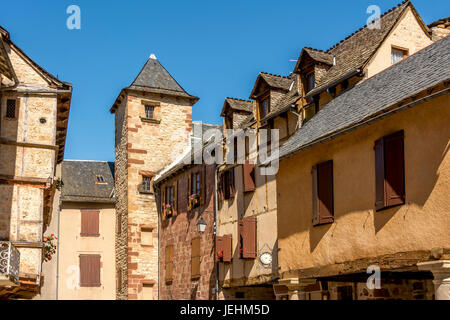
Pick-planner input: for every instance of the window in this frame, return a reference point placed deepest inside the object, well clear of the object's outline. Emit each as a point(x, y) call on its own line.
point(195, 258)
point(323, 198)
point(147, 291)
point(226, 184)
point(195, 188)
point(169, 201)
point(249, 176)
point(398, 55)
point(389, 171)
point(90, 223)
point(310, 82)
point(169, 255)
point(196, 192)
point(265, 107)
point(309, 112)
point(247, 238)
point(90, 270)
point(147, 236)
point(99, 179)
point(146, 184)
point(224, 249)
point(149, 112)
point(10, 109)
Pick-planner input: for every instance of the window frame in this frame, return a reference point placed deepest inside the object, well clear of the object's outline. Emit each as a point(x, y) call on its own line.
point(147, 108)
point(7, 109)
point(264, 98)
point(403, 51)
point(319, 217)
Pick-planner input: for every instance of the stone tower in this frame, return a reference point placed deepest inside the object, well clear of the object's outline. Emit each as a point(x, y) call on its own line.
point(153, 117)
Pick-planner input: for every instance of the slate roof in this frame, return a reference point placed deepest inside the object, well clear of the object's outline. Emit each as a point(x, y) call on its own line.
point(273, 81)
point(153, 77)
point(79, 178)
point(288, 99)
point(237, 104)
point(441, 23)
point(354, 52)
point(418, 72)
point(319, 55)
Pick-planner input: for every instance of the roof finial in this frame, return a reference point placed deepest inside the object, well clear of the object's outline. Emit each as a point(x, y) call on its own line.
point(152, 56)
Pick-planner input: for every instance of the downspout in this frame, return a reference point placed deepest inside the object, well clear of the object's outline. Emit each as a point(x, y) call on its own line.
point(216, 207)
point(156, 192)
point(57, 246)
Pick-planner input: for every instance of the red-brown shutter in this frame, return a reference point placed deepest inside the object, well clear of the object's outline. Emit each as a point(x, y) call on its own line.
point(232, 185)
point(189, 181)
point(89, 270)
point(249, 238)
point(241, 238)
point(380, 194)
point(394, 169)
point(325, 192)
point(227, 248)
point(90, 223)
point(203, 185)
point(195, 258)
point(163, 202)
point(175, 198)
point(219, 247)
point(249, 176)
point(315, 198)
point(220, 187)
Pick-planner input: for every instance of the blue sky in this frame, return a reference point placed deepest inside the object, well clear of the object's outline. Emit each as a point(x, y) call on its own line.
point(214, 49)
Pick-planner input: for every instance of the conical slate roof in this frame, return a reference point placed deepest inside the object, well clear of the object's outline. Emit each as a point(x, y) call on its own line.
point(155, 78)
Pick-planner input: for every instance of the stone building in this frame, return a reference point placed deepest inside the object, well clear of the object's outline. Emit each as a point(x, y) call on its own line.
point(250, 205)
point(153, 120)
point(86, 225)
point(363, 186)
point(34, 110)
point(186, 204)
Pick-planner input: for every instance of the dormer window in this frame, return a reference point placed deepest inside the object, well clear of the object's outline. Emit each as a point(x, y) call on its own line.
point(99, 179)
point(264, 108)
point(310, 82)
point(398, 54)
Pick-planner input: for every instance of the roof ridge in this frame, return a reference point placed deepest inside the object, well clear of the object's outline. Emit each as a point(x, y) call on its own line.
point(238, 99)
point(405, 2)
point(275, 75)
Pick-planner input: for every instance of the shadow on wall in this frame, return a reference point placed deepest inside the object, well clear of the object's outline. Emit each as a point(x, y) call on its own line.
point(8, 155)
point(425, 150)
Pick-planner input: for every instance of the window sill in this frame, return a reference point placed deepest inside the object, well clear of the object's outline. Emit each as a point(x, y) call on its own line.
point(150, 120)
point(147, 246)
point(324, 222)
point(90, 285)
point(389, 207)
point(85, 235)
point(142, 191)
point(196, 277)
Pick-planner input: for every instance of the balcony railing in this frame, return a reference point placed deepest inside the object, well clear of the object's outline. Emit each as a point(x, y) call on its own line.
point(9, 264)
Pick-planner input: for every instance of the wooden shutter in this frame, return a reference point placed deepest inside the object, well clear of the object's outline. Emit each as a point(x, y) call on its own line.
point(90, 270)
point(169, 263)
point(90, 223)
point(232, 186)
point(325, 192)
point(219, 247)
point(189, 188)
point(241, 238)
point(203, 185)
point(389, 171)
point(315, 197)
point(163, 202)
point(249, 176)
point(249, 238)
point(220, 187)
point(195, 257)
point(380, 200)
point(175, 198)
point(394, 169)
point(227, 248)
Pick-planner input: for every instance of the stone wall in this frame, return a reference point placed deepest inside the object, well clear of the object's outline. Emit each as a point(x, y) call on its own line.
point(142, 148)
point(179, 232)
